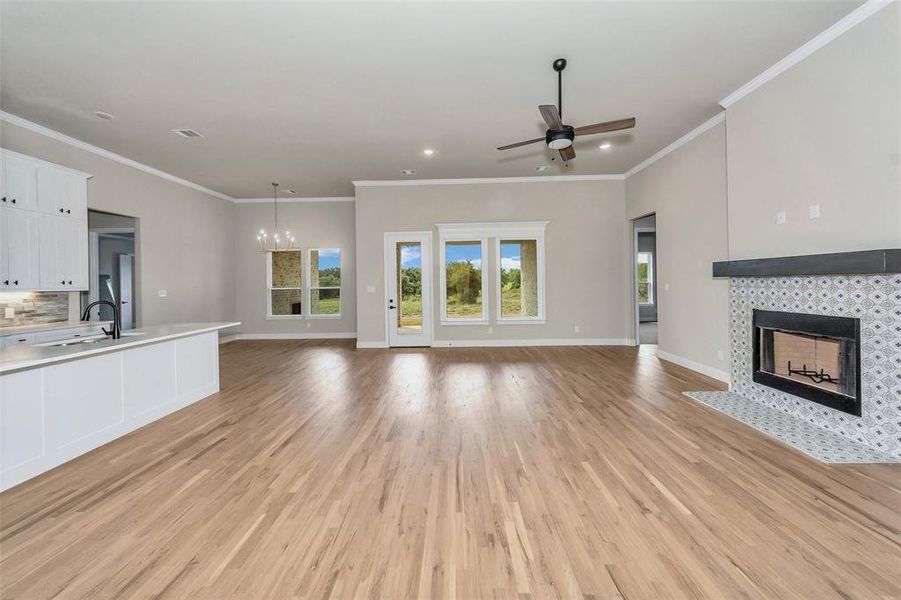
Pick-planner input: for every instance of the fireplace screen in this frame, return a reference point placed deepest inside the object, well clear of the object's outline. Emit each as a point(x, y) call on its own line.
point(812, 356)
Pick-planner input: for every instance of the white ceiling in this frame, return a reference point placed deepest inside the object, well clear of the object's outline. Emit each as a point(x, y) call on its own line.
point(315, 95)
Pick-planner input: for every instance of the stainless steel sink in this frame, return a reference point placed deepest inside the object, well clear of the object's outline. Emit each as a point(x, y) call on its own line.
point(86, 340)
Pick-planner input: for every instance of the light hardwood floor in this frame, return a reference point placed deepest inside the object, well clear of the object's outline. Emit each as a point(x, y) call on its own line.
point(323, 471)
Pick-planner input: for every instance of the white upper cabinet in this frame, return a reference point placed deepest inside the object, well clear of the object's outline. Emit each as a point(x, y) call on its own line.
point(61, 192)
point(19, 251)
point(43, 225)
point(19, 182)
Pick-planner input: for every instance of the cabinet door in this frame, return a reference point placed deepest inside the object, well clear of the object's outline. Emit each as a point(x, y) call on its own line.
point(19, 182)
point(63, 253)
point(50, 271)
point(61, 193)
point(21, 241)
point(4, 257)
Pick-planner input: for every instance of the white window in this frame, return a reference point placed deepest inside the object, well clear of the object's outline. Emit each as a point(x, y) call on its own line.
point(520, 278)
point(325, 283)
point(645, 278)
point(517, 264)
point(285, 284)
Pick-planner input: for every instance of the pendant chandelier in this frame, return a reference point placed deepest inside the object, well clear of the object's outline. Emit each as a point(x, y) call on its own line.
point(278, 240)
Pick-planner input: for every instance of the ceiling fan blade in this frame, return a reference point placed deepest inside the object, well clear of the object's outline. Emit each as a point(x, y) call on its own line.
point(606, 127)
point(567, 154)
point(518, 144)
point(551, 116)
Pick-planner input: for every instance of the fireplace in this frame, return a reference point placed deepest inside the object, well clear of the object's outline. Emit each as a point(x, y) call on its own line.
point(815, 357)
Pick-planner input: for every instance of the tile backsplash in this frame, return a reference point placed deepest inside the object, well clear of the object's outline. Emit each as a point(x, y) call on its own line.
point(33, 308)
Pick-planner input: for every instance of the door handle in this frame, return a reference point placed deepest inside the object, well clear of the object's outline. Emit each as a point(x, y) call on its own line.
point(391, 305)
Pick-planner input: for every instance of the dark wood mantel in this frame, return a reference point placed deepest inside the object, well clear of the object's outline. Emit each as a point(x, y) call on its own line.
point(863, 262)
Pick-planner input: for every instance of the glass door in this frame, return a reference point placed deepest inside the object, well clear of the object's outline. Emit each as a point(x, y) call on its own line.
point(408, 307)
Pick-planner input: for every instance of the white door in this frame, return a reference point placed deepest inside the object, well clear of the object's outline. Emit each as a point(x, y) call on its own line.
point(126, 290)
point(408, 288)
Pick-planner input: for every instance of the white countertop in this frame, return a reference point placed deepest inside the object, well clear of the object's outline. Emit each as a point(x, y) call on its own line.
point(19, 329)
point(27, 357)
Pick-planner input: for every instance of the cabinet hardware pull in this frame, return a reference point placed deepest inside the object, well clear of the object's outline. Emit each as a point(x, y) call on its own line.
point(4, 198)
point(63, 282)
point(60, 210)
point(13, 200)
point(70, 282)
point(69, 212)
point(6, 282)
point(16, 282)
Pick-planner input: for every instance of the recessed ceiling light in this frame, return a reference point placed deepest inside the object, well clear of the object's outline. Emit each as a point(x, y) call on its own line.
point(188, 133)
point(408, 172)
point(605, 146)
point(104, 115)
point(541, 168)
point(428, 152)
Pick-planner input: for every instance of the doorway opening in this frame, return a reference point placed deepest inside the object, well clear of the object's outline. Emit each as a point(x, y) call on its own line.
point(112, 267)
point(644, 233)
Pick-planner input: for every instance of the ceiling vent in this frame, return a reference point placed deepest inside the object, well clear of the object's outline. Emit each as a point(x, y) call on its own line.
point(187, 133)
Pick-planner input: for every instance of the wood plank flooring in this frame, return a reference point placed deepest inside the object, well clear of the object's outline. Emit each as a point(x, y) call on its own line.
point(320, 471)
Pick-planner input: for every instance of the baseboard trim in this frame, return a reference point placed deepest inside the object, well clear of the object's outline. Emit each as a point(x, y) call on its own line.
point(530, 342)
point(224, 339)
point(371, 344)
point(291, 336)
point(695, 366)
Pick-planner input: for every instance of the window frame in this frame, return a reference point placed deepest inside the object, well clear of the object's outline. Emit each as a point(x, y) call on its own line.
point(650, 281)
point(309, 285)
point(461, 236)
point(483, 232)
point(269, 288)
point(533, 233)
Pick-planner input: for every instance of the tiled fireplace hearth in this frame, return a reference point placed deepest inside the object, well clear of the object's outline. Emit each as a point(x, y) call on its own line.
point(827, 433)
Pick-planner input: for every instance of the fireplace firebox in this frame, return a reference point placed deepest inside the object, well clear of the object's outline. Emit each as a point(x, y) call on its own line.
point(816, 357)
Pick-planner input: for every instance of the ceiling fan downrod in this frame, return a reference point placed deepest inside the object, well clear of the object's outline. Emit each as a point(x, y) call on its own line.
point(559, 65)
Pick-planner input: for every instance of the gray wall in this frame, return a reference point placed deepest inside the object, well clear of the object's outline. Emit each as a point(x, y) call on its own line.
point(185, 238)
point(827, 131)
point(314, 225)
point(585, 252)
point(687, 191)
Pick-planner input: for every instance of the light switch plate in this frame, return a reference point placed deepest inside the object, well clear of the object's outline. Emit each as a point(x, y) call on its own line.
point(780, 218)
point(9, 313)
point(370, 289)
point(162, 293)
point(813, 211)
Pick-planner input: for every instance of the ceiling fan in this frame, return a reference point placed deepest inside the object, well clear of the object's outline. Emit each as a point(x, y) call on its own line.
point(560, 137)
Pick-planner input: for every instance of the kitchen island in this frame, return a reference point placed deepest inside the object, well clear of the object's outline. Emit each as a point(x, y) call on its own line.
point(60, 400)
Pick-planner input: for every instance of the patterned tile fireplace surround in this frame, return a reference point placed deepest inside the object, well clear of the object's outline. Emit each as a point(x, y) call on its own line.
point(825, 433)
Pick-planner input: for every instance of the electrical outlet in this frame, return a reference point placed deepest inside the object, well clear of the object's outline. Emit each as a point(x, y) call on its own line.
point(370, 289)
point(162, 293)
point(721, 355)
point(665, 287)
point(308, 324)
point(813, 211)
point(10, 313)
point(576, 329)
point(780, 218)
point(491, 330)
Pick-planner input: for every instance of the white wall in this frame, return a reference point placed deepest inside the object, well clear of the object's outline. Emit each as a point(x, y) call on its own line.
point(687, 191)
point(585, 252)
point(826, 131)
point(314, 225)
point(185, 238)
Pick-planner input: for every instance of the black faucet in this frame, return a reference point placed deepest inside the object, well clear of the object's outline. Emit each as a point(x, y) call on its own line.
point(116, 331)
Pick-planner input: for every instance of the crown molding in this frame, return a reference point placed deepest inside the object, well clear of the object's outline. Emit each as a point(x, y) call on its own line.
point(294, 200)
point(856, 16)
point(472, 180)
point(61, 137)
point(719, 118)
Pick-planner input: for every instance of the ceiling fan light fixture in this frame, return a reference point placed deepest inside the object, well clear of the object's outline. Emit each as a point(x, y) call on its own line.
point(560, 139)
point(559, 144)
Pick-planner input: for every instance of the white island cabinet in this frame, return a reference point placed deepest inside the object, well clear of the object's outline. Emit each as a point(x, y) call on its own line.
point(58, 402)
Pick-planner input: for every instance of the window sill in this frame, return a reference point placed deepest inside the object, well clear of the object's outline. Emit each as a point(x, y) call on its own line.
point(324, 316)
point(284, 317)
point(464, 322)
point(535, 321)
